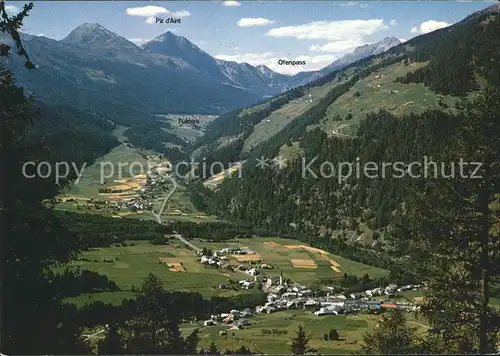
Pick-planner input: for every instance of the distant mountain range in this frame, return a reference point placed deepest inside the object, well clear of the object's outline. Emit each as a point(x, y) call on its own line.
point(97, 70)
point(359, 53)
point(260, 79)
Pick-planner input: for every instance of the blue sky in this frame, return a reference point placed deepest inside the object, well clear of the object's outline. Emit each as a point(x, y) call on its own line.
point(256, 32)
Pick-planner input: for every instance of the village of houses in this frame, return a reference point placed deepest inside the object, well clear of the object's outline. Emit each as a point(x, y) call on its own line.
point(137, 193)
point(283, 295)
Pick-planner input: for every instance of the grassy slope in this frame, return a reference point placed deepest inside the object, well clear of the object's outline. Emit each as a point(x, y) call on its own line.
point(350, 329)
point(179, 205)
point(404, 98)
point(279, 257)
point(131, 264)
point(88, 185)
point(280, 118)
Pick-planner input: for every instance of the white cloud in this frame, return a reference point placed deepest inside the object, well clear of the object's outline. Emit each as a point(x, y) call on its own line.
point(146, 11)
point(11, 8)
point(151, 12)
point(270, 60)
point(429, 26)
point(432, 25)
point(402, 40)
point(393, 22)
point(253, 21)
point(231, 3)
point(331, 30)
point(337, 46)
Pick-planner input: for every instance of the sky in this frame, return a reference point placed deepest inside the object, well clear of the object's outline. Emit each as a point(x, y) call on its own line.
point(256, 32)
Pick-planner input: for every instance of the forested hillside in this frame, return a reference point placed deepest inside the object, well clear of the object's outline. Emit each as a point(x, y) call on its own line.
point(452, 61)
point(460, 58)
point(67, 134)
point(360, 208)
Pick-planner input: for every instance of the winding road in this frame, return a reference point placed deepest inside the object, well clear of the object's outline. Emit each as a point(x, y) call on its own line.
point(158, 216)
point(182, 239)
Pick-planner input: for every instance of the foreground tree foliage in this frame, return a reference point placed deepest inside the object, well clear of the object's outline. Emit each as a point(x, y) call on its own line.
point(300, 343)
point(155, 327)
point(451, 227)
point(33, 318)
point(393, 335)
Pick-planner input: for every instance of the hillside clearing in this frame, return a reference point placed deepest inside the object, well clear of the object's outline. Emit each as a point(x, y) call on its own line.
point(275, 122)
point(380, 91)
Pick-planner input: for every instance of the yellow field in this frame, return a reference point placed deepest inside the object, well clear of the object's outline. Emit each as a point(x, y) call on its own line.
point(332, 262)
point(217, 178)
point(325, 255)
point(336, 269)
point(308, 248)
point(72, 197)
point(125, 213)
point(120, 180)
point(246, 258)
point(299, 263)
point(272, 244)
point(173, 266)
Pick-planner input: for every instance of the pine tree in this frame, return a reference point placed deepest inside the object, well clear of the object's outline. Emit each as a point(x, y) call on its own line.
point(192, 342)
point(333, 335)
point(450, 227)
point(155, 327)
point(112, 344)
point(392, 335)
point(300, 343)
point(212, 349)
point(34, 320)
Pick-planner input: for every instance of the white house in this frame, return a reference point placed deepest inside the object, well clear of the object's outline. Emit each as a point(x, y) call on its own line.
point(270, 310)
point(310, 303)
point(247, 285)
point(328, 310)
point(253, 272)
point(260, 309)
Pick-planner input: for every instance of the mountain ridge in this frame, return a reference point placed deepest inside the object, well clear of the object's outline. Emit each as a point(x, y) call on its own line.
point(95, 68)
